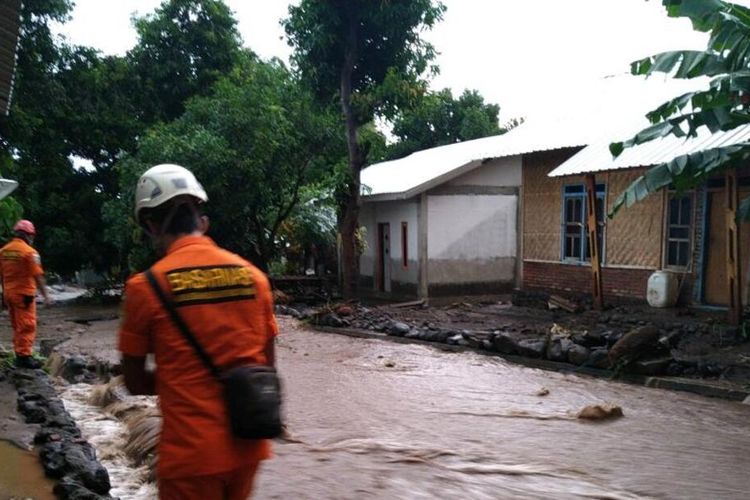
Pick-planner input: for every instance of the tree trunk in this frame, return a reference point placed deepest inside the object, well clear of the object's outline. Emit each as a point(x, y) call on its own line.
point(349, 209)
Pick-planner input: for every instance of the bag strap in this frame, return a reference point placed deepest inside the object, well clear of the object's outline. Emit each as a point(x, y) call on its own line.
point(180, 324)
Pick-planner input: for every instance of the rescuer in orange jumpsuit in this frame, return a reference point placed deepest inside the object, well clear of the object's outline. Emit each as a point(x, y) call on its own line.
point(227, 304)
point(22, 273)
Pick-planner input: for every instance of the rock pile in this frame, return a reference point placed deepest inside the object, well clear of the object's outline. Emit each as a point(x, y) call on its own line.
point(617, 340)
point(65, 455)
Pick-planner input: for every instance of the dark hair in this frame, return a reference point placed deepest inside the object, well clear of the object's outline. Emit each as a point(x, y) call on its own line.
point(184, 220)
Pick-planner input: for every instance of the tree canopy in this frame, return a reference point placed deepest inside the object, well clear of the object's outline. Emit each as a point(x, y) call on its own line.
point(74, 107)
point(183, 48)
point(372, 58)
point(255, 142)
point(725, 105)
point(438, 119)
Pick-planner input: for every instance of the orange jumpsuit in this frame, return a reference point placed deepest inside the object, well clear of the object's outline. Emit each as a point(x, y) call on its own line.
point(20, 265)
point(227, 304)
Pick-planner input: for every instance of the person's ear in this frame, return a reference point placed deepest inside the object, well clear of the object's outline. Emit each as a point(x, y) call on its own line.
point(204, 224)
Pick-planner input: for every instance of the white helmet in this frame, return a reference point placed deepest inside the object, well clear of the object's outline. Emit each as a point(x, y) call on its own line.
point(161, 183)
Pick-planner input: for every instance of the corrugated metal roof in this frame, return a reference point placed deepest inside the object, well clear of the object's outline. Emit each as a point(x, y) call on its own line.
point(9, 27)
point(413, 174)
point(597, 157)
point(599, 119)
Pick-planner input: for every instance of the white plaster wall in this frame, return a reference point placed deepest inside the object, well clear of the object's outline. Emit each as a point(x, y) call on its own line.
point(393, 213)
point(367, 220)
point(504, 172)
point(471, 238)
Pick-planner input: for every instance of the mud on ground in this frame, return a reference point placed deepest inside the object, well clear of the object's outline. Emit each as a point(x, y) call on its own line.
point(696, 345)
point(638, 339)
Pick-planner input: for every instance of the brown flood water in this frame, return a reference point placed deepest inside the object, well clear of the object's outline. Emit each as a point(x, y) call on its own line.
point(381, 420)
point(21, 475)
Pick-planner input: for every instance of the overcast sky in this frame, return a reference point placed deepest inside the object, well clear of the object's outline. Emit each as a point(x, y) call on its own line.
point(528, 56)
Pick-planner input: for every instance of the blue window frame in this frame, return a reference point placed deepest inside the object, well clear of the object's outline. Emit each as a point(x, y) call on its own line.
point(575, 245)
point(679, 229)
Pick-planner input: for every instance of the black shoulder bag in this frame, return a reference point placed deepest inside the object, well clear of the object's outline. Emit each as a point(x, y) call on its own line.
point(252, 392)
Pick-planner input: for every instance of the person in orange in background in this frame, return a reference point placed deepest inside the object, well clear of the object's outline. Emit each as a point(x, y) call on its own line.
point(226, 303)
point(22, 273)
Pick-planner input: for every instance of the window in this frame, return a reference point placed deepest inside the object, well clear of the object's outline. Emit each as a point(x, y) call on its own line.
point(404, 245)
point(679, 219)
point(575, 244)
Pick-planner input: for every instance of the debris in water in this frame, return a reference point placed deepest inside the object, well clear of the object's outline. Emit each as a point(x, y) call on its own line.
point(107, 394)
point(144, 429)
point(543, 391)
point(390, 364)
point(600, 412)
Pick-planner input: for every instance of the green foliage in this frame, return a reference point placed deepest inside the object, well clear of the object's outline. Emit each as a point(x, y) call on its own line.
point(371, 58)
point(383, 40)
point(71, 102)
point(48, 123)
point(438, 119)
point(183, 48)
point(310, 228)
point(10, 212)
point(724, 106)
point(254, 143)
point(8, 359)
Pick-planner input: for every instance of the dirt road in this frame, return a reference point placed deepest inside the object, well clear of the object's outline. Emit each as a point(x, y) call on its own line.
point(372, 419)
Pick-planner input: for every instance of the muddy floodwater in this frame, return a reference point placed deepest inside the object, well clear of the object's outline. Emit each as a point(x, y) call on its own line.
point(373, 419)
point(21, 476)
point(382, 420)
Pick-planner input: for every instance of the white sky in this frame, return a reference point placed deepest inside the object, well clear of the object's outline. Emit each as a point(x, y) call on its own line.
point(528, 56)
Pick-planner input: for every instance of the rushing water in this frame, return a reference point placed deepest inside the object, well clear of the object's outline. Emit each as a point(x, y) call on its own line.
point(371, 419)
point(108, 435)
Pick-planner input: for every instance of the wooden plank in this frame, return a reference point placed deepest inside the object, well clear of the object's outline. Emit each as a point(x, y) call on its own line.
point(734, 278)
point(593, 231)
point(402, 305)
point(424, 262)
point(557, 301)
point(715, 288)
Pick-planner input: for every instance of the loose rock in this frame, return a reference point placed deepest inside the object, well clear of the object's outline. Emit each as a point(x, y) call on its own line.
point(578, 354)
point(633, 344)
point(600, 412)
point(598, 358)
point(398, 329)
point(504, 343)
point(532, 348)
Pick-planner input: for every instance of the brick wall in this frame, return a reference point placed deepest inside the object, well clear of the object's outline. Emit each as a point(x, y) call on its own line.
point(549, 276)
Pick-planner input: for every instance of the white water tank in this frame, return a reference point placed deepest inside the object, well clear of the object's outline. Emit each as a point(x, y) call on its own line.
point(662, 289)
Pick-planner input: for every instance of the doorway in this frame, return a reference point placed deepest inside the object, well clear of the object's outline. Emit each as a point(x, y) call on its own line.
point(384, 258)
point(716, 290)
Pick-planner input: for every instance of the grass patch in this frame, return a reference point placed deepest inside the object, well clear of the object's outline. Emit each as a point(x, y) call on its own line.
point(8, 359)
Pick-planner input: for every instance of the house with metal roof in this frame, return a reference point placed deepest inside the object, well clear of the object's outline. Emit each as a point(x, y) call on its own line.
point(447, 220)
point(686, 236)
point(519, 209)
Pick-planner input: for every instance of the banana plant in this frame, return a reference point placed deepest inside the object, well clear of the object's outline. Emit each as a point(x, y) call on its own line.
point(724, 106)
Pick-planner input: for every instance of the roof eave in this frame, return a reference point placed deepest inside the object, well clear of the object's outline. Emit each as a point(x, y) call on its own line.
point(426, 186)
point(597, 171)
